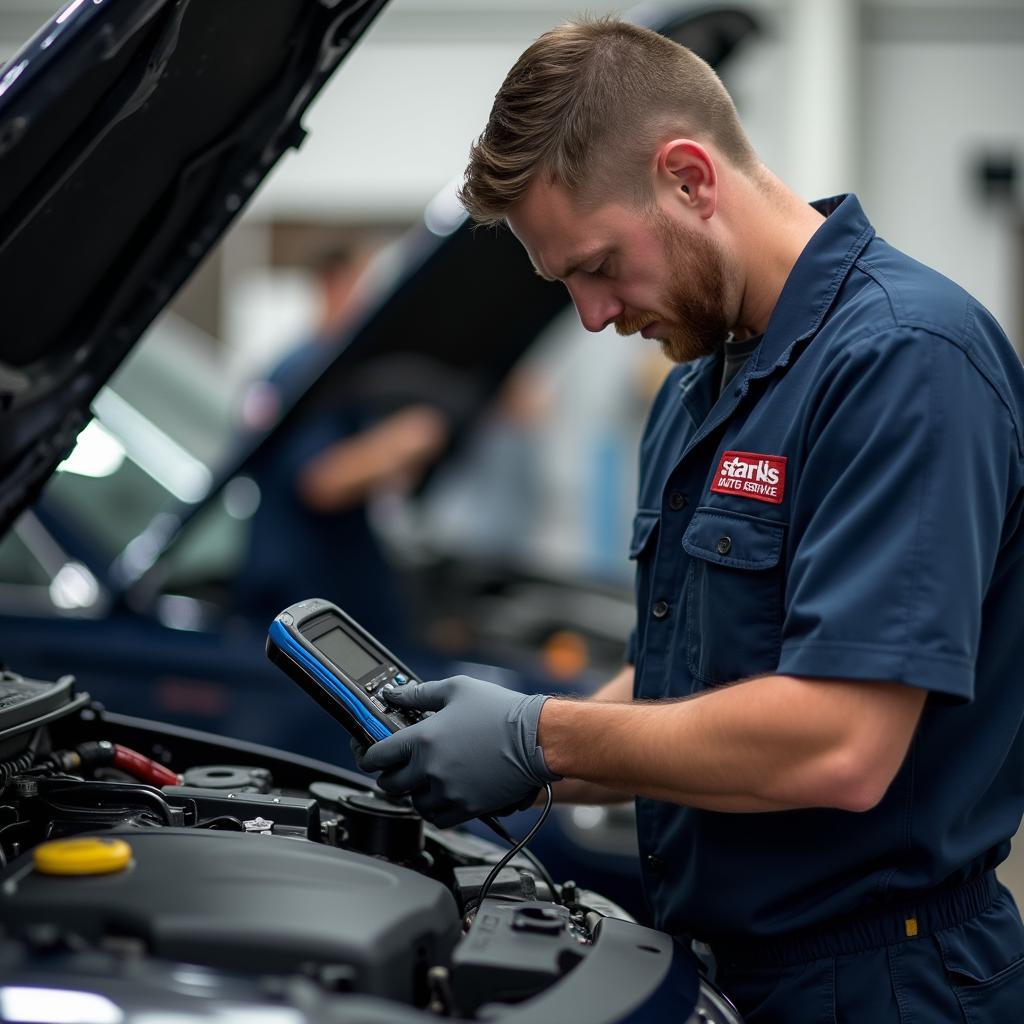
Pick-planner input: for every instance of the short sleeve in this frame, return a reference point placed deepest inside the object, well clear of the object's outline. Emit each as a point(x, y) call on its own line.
point(897, 517)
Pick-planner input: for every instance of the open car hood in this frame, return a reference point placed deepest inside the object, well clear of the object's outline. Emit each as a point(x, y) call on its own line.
point(132, 132)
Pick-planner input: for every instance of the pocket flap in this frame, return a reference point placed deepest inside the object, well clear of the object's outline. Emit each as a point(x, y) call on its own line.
point(734, 539)
point(643, 530)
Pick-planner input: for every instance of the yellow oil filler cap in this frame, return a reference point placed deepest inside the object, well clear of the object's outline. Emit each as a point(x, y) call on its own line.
point(87, 855)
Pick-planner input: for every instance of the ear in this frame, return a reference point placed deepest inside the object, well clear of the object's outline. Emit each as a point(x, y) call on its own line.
point(685, 173)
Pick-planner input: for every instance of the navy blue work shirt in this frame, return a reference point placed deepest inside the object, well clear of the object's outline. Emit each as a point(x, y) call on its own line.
point(849, 508)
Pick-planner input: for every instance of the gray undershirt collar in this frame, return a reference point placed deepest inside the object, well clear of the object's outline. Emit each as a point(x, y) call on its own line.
point(736, 354)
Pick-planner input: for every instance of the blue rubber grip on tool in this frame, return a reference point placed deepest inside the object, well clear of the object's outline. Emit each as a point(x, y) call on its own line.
point(287, 643)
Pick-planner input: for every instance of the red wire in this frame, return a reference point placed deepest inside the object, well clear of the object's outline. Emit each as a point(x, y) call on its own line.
point(143, 768)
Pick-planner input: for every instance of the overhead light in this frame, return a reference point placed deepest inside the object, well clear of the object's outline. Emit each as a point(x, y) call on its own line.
point(587, 816)
point(96, 453)
point(444, 213)
point(73, 587)
point(242, 497)
point(31, 1005)
point(152, 450)
point(176, 611)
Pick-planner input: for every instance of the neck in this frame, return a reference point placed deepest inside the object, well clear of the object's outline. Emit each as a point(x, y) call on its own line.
point(774, 226)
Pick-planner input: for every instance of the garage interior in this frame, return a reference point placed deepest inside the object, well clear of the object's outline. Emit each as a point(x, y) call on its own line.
point(905, 102)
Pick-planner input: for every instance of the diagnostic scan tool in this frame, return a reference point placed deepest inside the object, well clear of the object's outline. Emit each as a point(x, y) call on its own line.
point(349, 673)
point(342, 667)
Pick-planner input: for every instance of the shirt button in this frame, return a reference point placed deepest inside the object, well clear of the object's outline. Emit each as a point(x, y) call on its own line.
point(655, 863)
point(660, 609)
point(724, 545)
point(676, 501)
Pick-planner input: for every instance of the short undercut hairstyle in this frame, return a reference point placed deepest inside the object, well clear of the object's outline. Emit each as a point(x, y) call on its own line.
point(586, 105)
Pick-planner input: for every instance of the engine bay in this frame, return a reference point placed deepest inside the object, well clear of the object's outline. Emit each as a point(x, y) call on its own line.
point(153, 867)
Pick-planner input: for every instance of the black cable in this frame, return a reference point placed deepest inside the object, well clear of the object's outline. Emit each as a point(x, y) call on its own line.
point(542, 872)
point(24, 761)
point(517, 847)
point(545, 875)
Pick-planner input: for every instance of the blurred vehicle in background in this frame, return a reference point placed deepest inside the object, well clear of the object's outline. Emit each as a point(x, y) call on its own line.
point(129, 569)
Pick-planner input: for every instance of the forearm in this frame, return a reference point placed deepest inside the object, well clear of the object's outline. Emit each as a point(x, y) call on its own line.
point(579, 791)
point(344, 475)
point(766, 744)
point(618, 688)
point(349, 471)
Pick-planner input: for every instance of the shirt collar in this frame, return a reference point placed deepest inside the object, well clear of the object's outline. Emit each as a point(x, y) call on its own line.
point(813, 282)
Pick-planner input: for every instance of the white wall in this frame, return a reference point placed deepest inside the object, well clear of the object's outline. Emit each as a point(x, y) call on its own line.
point(390, 130)
point(395, 124)
point(931, 106)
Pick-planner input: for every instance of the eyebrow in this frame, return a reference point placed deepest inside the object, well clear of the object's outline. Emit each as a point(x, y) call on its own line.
point(575, 264)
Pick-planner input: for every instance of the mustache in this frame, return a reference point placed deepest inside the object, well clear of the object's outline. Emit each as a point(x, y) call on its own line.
point(626, 325)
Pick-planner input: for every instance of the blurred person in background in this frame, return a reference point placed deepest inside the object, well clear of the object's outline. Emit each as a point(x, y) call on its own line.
point(489, 503)
point(820, 713)
point(311, 535)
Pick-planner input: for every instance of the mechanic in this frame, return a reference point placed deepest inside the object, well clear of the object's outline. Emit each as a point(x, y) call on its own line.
point(318, 479)
point(820, 714)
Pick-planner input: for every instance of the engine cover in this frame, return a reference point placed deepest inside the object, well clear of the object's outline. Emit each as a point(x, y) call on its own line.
point(250, 903)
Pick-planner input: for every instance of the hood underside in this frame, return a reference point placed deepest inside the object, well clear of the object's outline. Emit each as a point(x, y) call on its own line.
point(132, 133)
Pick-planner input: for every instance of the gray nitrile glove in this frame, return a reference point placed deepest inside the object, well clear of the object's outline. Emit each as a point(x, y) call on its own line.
point(357, 748)
point(477, 755)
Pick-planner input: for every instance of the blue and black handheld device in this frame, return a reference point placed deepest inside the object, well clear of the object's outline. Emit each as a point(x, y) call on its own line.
point(349, 673)
point(342, 667)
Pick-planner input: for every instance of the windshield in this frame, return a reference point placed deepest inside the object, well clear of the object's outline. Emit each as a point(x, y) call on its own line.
point(160, 430)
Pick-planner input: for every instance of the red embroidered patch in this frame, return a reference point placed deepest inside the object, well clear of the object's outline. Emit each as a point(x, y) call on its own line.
point(749, 475)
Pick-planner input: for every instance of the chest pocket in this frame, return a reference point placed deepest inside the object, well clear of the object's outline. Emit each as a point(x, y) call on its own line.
point(644, 525)
point(734, 595)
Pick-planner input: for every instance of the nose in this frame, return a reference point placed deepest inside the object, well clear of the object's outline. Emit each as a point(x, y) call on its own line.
point(595, 306)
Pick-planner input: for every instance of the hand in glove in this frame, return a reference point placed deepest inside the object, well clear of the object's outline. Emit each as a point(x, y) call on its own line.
point(477, 755)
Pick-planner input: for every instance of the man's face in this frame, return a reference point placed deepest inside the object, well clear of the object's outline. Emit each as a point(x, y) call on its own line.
point(640, 270)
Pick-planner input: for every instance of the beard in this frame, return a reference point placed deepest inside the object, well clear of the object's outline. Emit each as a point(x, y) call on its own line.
point(696, 295)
